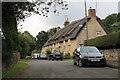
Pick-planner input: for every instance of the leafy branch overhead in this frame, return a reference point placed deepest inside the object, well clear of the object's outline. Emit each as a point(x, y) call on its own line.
point(41, 7)
point(15, 12)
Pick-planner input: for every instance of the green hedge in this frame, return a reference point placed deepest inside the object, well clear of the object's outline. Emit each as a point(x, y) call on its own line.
point(110, 41)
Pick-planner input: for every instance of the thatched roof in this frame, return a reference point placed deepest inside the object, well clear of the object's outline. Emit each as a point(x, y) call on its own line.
point(70, 31)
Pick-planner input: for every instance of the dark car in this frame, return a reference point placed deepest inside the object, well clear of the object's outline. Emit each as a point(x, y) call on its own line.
point(88, 56)
point(55, 55)
point(42, 56)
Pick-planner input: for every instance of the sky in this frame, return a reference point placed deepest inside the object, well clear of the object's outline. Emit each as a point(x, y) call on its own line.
point(37, 23)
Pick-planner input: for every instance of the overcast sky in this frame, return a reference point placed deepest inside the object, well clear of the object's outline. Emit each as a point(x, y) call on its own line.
point(37, 23)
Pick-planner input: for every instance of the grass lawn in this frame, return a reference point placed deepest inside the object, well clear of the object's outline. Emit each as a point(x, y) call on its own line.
point(25, 60)
point(67, 59)
point(15, 68)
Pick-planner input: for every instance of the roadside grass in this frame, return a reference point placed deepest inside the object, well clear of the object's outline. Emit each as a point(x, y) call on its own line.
point(24, 60)
point(68, 59)
point(15, 68)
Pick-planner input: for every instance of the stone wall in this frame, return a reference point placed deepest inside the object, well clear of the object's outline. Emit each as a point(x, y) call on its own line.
point(111, 54)
point(16, 57)
point(112, 57)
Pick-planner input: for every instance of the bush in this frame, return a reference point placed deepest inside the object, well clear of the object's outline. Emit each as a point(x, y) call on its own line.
point(48, 51)
point(110, 41)
point(27, 57)
point(67, 56)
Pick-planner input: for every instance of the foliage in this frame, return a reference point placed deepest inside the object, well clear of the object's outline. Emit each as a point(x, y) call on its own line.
point(115, 27)
point(112, 22)
point(48, 51)
point(67, 56)
point(68, 59)
point(27, 57)
point(39, 51)
point(110, 41)
point(43, 36)
point(10, 40)
point(16, 68)
point(52, 31)
point(27, 43)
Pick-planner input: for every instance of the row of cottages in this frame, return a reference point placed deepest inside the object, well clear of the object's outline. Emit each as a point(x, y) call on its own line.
point(67, 39)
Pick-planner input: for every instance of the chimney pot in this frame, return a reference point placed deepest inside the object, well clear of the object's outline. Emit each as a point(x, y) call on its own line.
point(91, 12)
point(66, 22)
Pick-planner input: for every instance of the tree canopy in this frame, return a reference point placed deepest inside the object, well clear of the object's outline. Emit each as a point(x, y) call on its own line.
point(112, 22)
point(43, 36)
point(27, 43)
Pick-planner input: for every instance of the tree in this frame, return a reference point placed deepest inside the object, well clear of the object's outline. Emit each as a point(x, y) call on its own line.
point(27, 43)
point(52, 31)
point(10, 35)
point(109, 20)
point(115, 27)
point(42, 37)
point(112, 22)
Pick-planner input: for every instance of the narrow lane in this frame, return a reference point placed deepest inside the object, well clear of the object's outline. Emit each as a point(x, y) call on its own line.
point(64, 69)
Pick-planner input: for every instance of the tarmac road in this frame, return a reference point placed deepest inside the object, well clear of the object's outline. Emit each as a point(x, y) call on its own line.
point(64, 69)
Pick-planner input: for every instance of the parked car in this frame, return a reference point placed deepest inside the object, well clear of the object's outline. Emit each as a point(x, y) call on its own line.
point(35, 56)
point(55, 55)
point(42, 56)
point(88, 56)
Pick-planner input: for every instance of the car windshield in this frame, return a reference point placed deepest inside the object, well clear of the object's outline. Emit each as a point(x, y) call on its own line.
point(89, 50)
point(56, 52)
point(43, 55)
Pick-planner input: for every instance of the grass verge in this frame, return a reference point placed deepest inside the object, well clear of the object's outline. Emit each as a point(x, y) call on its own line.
point(67, 59)
point(15, 68)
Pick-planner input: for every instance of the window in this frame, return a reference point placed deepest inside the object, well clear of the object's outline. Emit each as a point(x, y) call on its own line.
point(68, 47)
point(59, 48)
point(98, 33)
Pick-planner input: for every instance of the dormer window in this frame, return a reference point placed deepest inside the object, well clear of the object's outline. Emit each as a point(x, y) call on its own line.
point(98, 33)
point(80, 25)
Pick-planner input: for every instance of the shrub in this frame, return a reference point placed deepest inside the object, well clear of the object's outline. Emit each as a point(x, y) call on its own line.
point(28, 57)
point(110, 41)
point(67, 56)
point(48, 51)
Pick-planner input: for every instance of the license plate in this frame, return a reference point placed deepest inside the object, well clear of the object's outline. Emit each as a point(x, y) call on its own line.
point(95, 60)
point(57, 57)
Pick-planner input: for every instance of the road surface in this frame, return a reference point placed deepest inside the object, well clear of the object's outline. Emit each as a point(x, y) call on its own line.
point(64, 69)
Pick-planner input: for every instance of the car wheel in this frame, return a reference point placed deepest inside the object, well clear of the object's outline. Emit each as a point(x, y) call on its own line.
point(57, 59)
point(52, 59)
point(80, 63)
point(75, 63)
point(61, 59)
point(49, 58)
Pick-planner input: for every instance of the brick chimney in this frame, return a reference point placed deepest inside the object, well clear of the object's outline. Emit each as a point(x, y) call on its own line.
point(66, 22)
point(91, 12)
